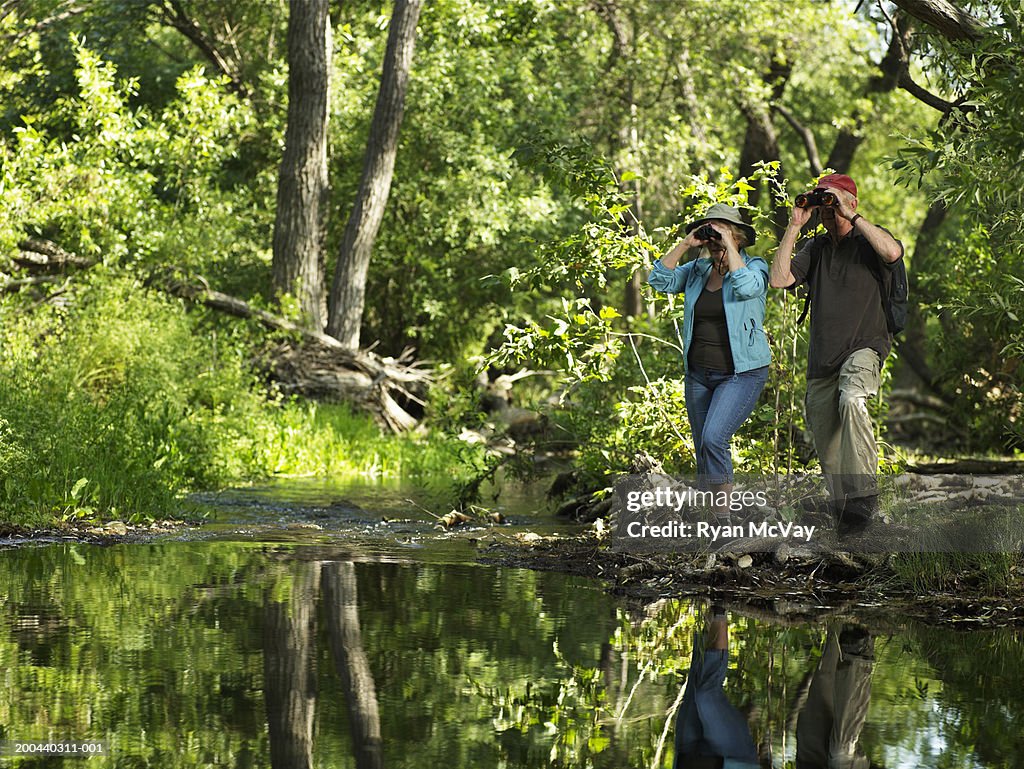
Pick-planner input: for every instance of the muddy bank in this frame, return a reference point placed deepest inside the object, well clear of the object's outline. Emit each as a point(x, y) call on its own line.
point(109, 533)
point(802, 586)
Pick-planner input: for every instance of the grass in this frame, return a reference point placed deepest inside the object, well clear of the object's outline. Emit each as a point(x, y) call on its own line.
point(985, 573)
point(121, 404)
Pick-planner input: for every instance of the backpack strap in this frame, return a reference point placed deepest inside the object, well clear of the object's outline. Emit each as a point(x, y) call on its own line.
point(885, 280)
point(815, 258)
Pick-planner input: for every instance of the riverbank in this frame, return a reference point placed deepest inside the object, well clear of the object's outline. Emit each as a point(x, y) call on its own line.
point(980, 589)
point(959, 589)
point(109, 533)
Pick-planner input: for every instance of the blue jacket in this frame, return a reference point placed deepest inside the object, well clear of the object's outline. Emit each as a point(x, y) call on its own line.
point(744, 291)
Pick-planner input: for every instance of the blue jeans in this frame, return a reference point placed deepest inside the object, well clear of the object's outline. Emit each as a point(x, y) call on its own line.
point(717, 404)
point(707, 724)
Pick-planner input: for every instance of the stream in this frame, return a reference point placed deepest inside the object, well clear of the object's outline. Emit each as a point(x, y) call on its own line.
point(310, 624)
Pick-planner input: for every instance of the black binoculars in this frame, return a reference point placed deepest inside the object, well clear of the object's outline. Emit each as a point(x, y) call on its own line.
point(707, 232)
point(816, 198)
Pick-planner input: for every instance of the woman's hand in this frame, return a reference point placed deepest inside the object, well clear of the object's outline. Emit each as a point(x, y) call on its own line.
point(691, 240)
point(675, 254)
point(728, 239)
point(725, 252)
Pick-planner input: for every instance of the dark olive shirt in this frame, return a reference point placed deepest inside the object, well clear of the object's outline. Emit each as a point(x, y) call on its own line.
point(710, 347)
point(846, 301)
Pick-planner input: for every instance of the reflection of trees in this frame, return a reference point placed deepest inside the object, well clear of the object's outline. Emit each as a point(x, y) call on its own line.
point(289, 669)
point(290, 676)
point(980, 696)
point(341, 604)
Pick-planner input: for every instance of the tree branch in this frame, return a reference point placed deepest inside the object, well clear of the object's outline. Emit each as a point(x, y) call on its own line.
point(175, 15)
point(64, 11)
point(898, 61)
point(918, 92)
point(948, 19)
point(806, 136)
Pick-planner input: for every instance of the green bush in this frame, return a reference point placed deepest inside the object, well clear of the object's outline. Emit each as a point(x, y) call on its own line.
point(118, 403)
point(114, 403)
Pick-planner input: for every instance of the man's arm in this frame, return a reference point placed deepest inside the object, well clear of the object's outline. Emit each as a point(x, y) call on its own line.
point(781, 275)
point(885, 245)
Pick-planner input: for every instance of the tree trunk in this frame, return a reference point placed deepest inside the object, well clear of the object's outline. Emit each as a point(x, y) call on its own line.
point(912, 346)
point(289, 671)
point(951, 21)
point(298, 266)
point(625, 138)
point(348, 291)
point(341, 607)
point(761, 143)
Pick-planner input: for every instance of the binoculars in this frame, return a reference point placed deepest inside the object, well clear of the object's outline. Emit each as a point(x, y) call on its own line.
point(815, 198)
point(707, 232)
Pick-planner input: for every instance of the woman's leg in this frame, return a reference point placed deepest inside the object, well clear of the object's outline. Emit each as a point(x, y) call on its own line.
point(732, 402)
point(698, 401)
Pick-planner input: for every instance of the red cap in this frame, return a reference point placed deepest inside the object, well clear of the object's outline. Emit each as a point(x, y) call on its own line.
point(841, 181)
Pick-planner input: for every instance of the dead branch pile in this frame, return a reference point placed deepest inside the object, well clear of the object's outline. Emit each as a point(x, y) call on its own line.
point(307, 363)
point(316, 365)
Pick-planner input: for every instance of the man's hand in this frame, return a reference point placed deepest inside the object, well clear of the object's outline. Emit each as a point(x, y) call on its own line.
point(800, 216)
point(846, 204)
point(781, 276)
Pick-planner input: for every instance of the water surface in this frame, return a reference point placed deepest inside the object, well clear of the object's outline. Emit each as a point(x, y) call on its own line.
point(376, 641)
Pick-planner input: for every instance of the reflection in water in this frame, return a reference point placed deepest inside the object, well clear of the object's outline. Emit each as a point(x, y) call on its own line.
point(289, 671)
point(248, 655)
point(289, 665)
point(710, 731)
point(831, 709)
point(830, 723)
point(341, 600)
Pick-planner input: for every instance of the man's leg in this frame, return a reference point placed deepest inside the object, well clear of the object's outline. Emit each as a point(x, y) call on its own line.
point(852, 697)
point(822, 407)
point(814, 722)
point(859, 380)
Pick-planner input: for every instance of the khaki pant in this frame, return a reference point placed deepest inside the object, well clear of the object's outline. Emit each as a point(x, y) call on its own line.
point(844, 438)
point(830, 723)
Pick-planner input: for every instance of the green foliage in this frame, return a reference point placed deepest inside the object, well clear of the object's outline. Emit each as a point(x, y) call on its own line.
point(116, 403)
point(970, 161)
point(991, 573)
point(542, 143)
point(131, 188)
point(621, 386)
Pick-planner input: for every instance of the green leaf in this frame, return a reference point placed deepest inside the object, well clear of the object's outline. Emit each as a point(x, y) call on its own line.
point(77, 488)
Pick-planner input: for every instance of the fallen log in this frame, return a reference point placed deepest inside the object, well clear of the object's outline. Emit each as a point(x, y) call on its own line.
point(38, 255)
point(315, 365)
point(309, 363)
point(9, 285)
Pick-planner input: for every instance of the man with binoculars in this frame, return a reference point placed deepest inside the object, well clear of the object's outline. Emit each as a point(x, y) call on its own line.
point(843, 269)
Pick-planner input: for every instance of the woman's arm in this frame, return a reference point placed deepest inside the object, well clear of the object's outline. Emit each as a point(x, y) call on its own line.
point(751, 281)
point(669, 281)
point(667, 276)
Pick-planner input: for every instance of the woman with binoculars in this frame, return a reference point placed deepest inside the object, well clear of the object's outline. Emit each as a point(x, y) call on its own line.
point(725, 351)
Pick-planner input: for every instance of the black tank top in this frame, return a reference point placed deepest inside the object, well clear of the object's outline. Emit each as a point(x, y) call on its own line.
point(709, 347)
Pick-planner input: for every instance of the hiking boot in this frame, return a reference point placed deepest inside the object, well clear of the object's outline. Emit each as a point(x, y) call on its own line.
point(858, 514)
point(856, 642)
